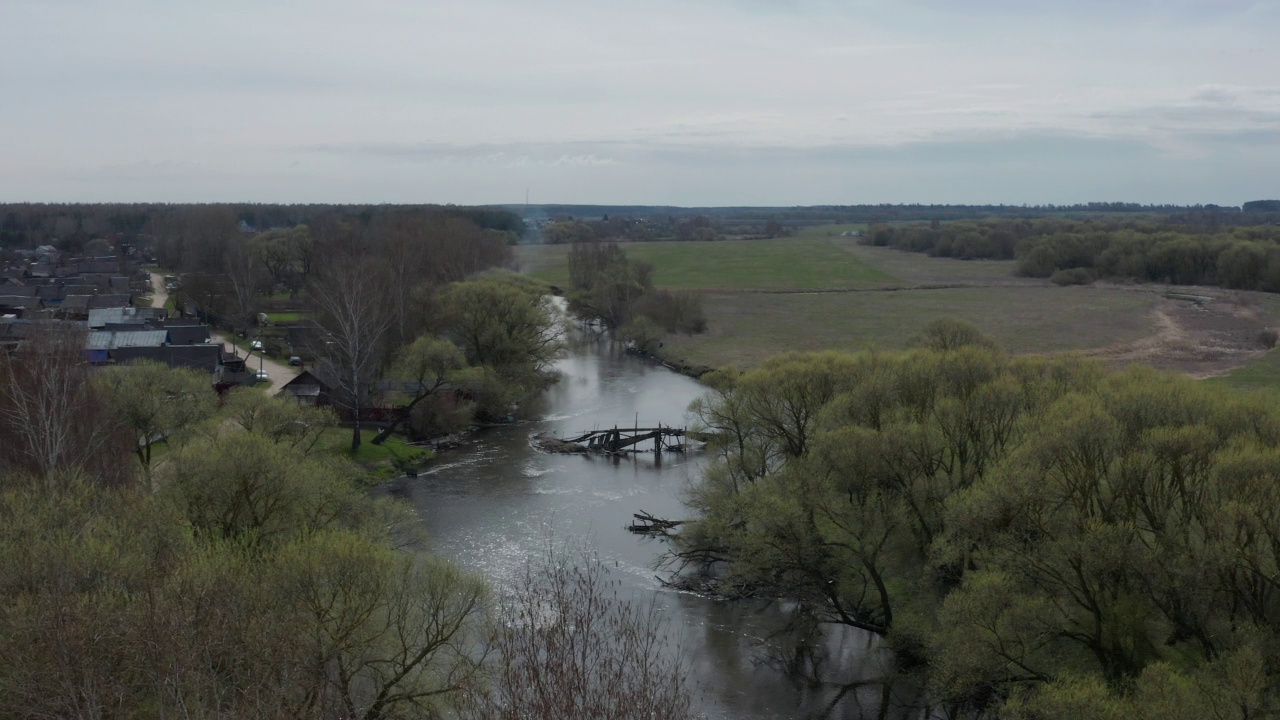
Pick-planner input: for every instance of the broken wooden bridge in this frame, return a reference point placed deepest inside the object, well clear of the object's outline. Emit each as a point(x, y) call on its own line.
point(620, 440)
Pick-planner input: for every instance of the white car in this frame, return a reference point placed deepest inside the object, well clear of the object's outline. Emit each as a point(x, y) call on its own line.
point(261, 376)
point(256, 345)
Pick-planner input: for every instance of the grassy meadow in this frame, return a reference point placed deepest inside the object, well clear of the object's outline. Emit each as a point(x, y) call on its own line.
point(747, 329)
point(818, 290)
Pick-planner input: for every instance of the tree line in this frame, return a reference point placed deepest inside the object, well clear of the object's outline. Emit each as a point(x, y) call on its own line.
point(1035, 538)
point(1071, 252)
point(606, 285)
point(813, 215)
point(69, 226)
point(249, 573)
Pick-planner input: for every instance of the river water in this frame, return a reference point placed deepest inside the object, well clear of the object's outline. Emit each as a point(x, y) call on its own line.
point(496, 502)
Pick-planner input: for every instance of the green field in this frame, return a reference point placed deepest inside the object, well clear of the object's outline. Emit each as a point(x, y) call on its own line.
point(809, 262)
point(1264, 373)
point(280, 318)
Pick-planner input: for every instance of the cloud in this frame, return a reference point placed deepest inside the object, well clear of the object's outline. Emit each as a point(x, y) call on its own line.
point(278, 99)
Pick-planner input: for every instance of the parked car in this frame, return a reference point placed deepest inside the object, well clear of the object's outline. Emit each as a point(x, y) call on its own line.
point(256, 345)
point(295, 361)
point(262, 376)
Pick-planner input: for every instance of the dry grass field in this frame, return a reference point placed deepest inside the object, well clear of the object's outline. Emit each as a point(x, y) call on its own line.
point(747, 329)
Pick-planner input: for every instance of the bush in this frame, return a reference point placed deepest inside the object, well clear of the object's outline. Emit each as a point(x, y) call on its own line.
point(1073, 276)
point(679, 311)
point(441, 415)
point(644, 334)
point(948, 334)
point(1268, 338)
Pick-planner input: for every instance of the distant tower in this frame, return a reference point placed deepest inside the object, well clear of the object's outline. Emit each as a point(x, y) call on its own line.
point(526, 203)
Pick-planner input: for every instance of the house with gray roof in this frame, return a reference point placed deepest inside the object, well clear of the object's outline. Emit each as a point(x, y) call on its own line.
point(100, 317)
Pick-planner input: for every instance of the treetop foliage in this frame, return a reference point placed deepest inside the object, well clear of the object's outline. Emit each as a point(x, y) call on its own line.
point(1033, 536)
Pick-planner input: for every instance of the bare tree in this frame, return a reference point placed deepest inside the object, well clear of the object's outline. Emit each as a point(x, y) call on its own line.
point(571, 647)
point(245, 281)
point(51, 418)
point(349, 294)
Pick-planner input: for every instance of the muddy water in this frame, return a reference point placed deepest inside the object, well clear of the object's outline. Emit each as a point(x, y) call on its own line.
point(491, 505)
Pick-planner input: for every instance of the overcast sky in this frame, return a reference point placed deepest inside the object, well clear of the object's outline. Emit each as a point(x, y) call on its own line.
point(685, 102)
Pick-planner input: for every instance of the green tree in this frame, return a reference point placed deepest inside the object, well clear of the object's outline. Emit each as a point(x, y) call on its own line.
point(157, 403)
point(509, 332)
point(423, 367)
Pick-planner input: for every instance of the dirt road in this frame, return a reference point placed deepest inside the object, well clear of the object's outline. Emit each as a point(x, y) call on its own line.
point(160, 296)
point(280, 372)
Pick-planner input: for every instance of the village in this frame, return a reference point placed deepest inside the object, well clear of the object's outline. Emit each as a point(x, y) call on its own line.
point(124, 311)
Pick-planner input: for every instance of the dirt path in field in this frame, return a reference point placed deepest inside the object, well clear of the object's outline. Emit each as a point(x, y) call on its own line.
point(1201, 338)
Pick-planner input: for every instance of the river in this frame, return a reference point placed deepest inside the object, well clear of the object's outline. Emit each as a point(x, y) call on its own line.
point(495, 502)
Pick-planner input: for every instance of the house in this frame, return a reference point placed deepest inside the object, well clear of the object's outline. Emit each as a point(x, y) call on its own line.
point(203, 358)
point(307, 389)
point(99, 317)
point(20, 305)
point(187, 334)
point(116, 339)
point(109, 301)
point(75, 307)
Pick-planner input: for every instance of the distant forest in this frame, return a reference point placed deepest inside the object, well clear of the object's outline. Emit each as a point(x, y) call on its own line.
point(71, 226)
point(837, 214)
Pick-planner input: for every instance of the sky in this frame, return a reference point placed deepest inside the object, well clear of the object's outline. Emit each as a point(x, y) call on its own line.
point(677, 102)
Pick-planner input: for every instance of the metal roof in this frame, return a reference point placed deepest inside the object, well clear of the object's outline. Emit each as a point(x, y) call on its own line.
point(113, 339)
point(99, 317)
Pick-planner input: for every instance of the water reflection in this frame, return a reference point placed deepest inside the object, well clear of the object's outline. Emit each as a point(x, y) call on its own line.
point(489, 506)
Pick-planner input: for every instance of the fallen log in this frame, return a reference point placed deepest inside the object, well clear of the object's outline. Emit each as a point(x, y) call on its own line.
point(646, 524)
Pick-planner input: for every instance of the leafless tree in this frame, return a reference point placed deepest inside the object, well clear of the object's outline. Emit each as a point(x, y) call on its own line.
point(51, 418)
point(571, 646)
point(245, 280)
point(349, 294)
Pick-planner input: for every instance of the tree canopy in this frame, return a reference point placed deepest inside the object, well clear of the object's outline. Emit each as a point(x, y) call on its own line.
point(1030, 534)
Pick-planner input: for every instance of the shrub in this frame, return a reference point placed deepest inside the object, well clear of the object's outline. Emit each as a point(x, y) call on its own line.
point(1073, 276)
point(679, 311)
point(947, 334)
point(1268, 338)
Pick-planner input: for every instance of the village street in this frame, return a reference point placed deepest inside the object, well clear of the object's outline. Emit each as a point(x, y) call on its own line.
point(280, 372)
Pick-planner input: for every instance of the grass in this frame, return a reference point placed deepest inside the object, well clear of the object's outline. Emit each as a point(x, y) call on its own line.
point(1264, 373)
point(757, 306)
point(811, 261)
point(382, 460)
point(286, 317)
point(747, 329)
